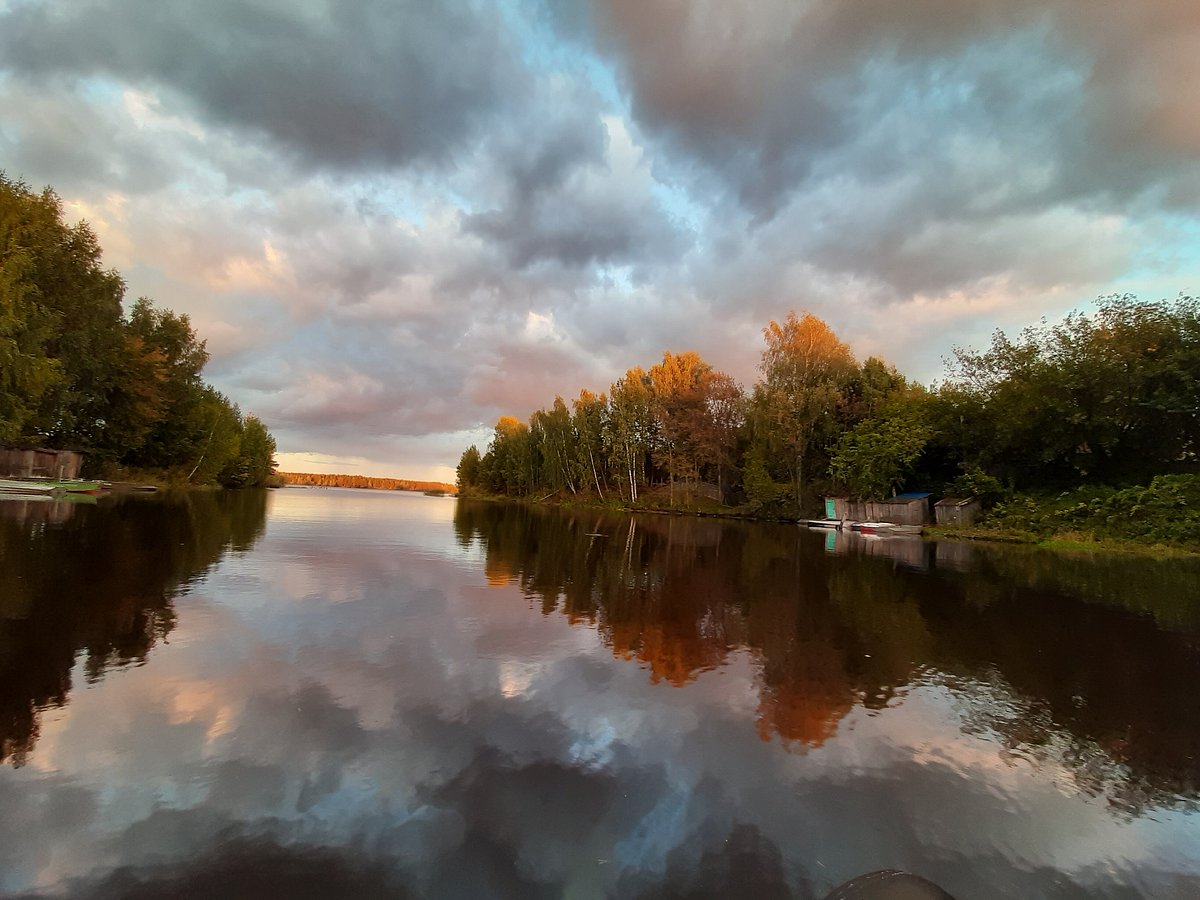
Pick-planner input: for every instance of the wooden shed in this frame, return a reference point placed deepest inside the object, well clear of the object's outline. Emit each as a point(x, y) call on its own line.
point(957, 510)
point(26, 462)
point(903, 509)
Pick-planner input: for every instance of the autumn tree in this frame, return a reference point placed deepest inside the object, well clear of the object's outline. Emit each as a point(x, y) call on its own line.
point(678, 407)
point(509, 460)
point(698, 411)
point(804, 373)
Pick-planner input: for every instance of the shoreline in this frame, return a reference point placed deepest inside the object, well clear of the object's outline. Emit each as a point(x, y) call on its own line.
point(1063, 541)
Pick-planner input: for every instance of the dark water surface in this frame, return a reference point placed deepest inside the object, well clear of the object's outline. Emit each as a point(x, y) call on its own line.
point(326, 693)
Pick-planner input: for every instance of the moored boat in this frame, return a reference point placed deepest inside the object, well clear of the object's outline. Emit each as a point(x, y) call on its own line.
point(17, 486)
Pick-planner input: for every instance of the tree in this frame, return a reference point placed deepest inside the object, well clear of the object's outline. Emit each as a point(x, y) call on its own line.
point(60, 321)
point(553, 438)
point(509, 459)
point(469, 474)
point(588, 423)
point(678, 406)
point(804, 372)
point(872, 458)
point(629, 431)
point(1109, 396)
point(75, 372)
point(698, 412)
point(255, 458)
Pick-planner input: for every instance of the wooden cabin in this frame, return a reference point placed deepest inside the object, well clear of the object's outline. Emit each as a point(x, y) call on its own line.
point(31, 462)
point(957, 510)
point(903, 509)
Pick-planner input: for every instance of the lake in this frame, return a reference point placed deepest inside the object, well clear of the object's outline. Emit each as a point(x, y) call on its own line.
point(323, 692)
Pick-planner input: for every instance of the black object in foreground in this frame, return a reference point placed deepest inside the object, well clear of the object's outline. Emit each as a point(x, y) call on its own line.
point(888, 884)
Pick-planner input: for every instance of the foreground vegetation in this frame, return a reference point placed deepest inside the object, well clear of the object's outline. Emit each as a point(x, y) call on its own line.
point(77, 372)
point(1090, 427)
point(1162, 514)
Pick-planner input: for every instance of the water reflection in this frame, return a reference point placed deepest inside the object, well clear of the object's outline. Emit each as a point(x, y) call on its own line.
point(396, 696)
point(98, 580)
point(1096, 658)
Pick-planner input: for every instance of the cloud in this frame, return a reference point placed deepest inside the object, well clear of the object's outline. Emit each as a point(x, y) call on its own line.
point(364, 206)
point(760, 94)
point(349, 85)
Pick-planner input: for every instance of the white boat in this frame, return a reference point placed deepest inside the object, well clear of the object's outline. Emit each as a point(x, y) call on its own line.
point(15, 486)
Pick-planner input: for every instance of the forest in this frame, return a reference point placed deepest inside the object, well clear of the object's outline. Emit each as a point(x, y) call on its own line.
point(1110, 397)
point(78, 371)
point(369, 482)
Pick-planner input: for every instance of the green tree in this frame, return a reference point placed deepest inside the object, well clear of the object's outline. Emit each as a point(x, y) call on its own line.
point(469, 473)
point(629, 429)
point(509, 460)
point(872, 458)
point(1109, 396)
point(60, 321)
point(254, 462)
point(552, 433)
point(588, 422)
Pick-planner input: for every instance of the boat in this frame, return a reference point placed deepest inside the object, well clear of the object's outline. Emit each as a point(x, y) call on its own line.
point(871, 527)
point(67, 485)
point(17, 486)
point(885, 528)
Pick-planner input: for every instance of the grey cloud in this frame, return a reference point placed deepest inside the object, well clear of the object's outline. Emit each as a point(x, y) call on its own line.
point(759, 94)
point(353, 84)
point(71, 144)
point(570, 197)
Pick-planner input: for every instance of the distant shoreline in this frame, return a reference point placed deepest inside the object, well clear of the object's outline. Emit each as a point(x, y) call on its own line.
point(366, 481)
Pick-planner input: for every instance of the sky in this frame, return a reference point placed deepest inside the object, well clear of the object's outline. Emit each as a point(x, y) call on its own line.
point(395, 221)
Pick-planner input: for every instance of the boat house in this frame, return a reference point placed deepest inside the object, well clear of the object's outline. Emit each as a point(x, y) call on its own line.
point(903, 509)
point(28, 462)
point(957, 511)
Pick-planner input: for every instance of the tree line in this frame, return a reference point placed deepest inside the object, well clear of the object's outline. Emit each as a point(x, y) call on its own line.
point(363, 481)
point(79, 372)
point(1108, 397)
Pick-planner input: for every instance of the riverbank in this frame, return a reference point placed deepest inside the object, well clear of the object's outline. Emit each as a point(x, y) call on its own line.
point(1159, 519)
point(1066, 541)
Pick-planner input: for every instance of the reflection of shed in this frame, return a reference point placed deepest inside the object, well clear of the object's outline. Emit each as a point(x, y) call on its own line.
point(956, 511)
point(903, 509)
point(25, 462)
point(956, 555)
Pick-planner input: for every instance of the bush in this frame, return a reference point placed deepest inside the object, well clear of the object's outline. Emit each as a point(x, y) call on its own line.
point(1166, 511)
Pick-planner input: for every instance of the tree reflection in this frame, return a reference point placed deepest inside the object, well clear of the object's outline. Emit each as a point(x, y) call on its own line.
point(100, 581)
point(1093, 661)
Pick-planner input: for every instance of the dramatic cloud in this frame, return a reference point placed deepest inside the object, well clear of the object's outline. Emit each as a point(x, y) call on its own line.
point(396, 221)
point(354, 84)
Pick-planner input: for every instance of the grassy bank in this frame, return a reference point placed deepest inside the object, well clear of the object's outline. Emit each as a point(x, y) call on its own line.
point(1161, 518)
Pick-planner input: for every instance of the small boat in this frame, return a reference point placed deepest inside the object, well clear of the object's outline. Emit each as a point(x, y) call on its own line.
point(871, 527)
point(67, 485)
point(885, 528)
point(823, 523)
point(17, 486)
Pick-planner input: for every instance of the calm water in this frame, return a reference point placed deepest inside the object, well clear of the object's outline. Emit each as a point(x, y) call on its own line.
point(337, 693)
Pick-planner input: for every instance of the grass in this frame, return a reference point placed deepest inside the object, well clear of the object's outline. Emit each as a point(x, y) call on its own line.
point(1160, 518)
